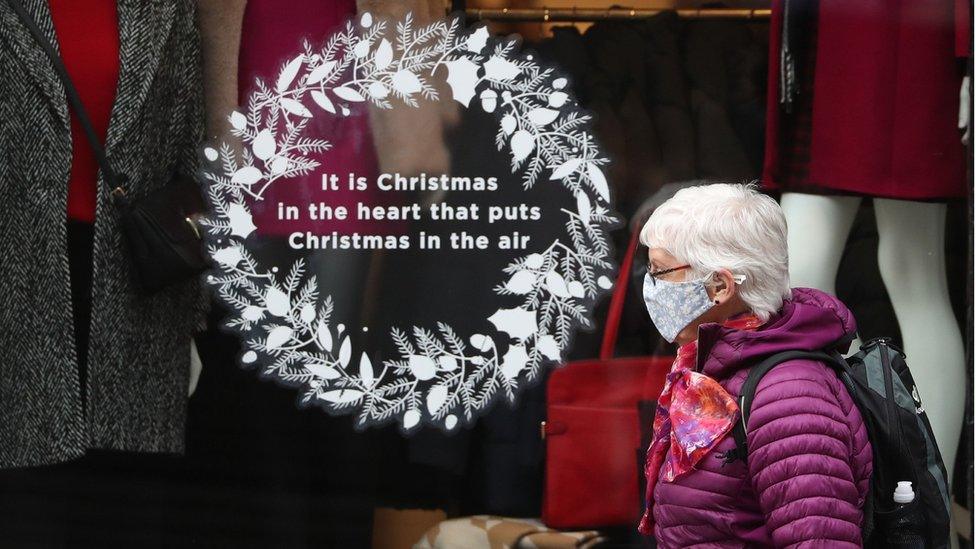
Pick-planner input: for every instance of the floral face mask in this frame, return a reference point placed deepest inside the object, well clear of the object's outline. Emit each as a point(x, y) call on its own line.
point(674, 305)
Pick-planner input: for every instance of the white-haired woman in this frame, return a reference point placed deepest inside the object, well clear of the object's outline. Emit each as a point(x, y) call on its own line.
point(718, 285)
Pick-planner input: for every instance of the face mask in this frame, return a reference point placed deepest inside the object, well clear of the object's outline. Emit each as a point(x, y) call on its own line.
point(674, 305)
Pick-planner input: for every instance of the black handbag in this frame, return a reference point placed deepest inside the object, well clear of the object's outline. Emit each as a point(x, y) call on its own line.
point(160, 228)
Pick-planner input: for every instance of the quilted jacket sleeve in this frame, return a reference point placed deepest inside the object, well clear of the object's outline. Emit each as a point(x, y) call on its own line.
point(807, 455)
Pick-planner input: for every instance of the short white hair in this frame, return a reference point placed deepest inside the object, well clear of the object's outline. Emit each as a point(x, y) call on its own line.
point(727, 226)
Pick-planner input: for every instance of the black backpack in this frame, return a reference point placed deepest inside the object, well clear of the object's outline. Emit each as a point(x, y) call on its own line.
point(903, 446)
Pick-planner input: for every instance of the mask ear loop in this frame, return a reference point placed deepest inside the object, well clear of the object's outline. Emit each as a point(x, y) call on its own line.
point(739, 278)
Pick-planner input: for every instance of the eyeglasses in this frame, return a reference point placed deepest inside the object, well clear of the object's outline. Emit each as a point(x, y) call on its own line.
point(655, 274)
point(739, 278)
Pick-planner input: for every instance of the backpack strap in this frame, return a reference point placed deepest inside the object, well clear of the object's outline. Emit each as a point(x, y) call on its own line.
point(834, 361)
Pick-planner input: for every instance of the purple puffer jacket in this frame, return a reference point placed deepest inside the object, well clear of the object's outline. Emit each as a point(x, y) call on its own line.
point(809, 456)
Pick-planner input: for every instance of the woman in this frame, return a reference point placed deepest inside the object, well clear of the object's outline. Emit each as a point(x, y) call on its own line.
point(117, 378)
point(718, 286)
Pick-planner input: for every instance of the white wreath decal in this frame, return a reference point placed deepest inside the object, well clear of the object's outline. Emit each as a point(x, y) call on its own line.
point(440, 377)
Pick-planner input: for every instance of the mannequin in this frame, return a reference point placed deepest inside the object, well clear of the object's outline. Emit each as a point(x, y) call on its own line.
point(911, 258)
point(901, 150)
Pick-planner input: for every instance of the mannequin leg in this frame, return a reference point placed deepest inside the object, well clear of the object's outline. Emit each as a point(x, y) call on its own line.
point(818, 229)
point(911, 255)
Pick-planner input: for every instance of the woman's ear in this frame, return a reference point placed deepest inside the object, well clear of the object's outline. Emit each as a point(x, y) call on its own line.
point(724, 287)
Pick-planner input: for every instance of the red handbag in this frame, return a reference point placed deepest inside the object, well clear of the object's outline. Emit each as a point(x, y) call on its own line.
point(592, 431)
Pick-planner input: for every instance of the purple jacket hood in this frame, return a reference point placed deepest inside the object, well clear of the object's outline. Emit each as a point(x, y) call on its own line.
point(809, 320)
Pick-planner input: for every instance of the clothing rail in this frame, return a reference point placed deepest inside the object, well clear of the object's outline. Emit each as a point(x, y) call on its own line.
point(549, 15)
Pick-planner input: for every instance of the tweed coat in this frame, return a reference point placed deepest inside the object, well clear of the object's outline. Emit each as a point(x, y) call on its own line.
point(138, 362)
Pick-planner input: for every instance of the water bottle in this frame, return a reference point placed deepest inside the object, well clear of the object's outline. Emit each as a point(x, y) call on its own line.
point(905, 523)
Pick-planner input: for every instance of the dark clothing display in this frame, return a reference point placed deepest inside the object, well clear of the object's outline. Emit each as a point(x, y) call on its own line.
point(615, 88)
point(672, 100)
point(876, 100)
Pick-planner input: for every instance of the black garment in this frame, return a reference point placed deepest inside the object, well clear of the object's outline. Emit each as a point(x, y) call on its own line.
point(264, 472)
point(615, 86)
point(726, 66)
point(667, 95)
point(494, 467)
point(80, 238)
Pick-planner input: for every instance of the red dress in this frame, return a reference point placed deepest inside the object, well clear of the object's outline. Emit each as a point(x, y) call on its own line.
point(878, 107)
point(88, 37)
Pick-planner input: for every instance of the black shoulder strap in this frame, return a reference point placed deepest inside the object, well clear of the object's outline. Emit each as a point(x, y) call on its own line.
point(69, 90)
point(748, 392)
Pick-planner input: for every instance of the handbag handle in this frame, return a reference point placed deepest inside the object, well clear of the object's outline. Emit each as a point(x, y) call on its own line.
point(617, 301)
point(72, 95)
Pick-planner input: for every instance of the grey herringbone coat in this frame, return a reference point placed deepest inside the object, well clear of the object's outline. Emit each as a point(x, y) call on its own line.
point(139, 346)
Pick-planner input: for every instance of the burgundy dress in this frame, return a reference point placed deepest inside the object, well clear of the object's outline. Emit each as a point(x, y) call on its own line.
point(878, 104)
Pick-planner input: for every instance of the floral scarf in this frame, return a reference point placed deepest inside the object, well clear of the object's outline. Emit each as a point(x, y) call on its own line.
point(694, 413)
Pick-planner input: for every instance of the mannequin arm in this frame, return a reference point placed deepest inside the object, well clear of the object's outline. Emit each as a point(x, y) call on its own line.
point(220, 24)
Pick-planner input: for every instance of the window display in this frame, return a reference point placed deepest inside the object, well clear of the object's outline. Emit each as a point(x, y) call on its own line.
point(486, 273)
